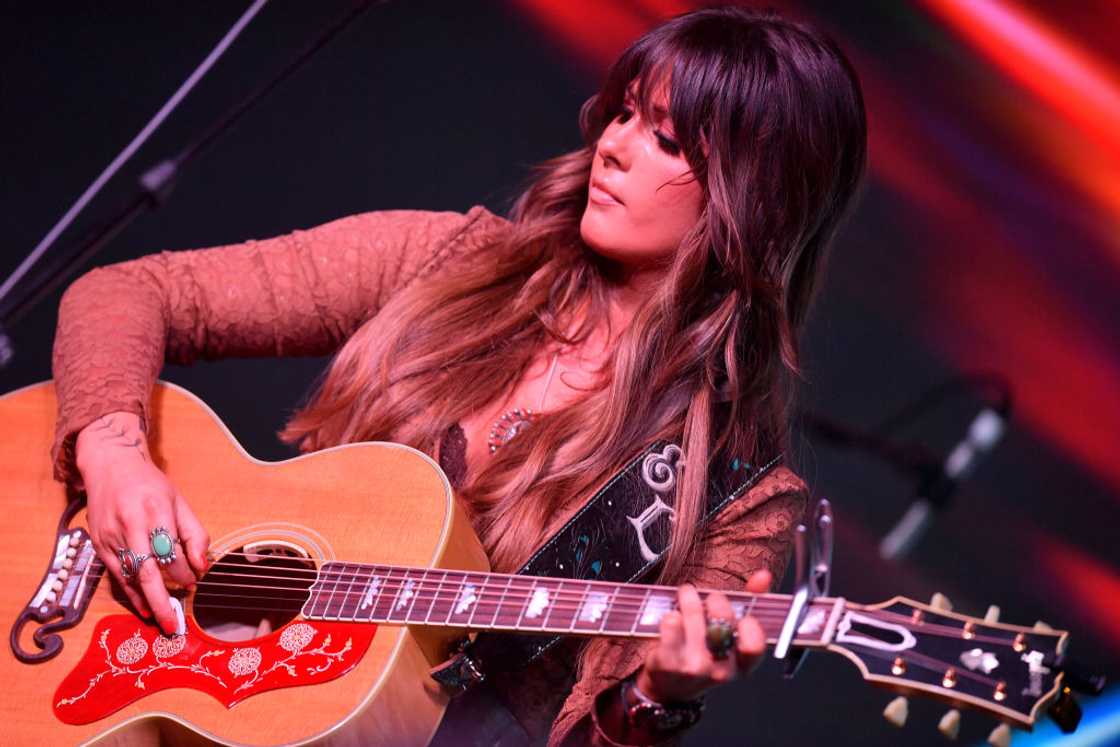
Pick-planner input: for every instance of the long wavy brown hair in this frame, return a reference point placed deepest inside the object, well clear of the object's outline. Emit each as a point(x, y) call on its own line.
point(770, 117)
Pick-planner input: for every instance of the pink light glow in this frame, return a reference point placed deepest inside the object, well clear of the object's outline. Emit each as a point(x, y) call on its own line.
point(1054, 68)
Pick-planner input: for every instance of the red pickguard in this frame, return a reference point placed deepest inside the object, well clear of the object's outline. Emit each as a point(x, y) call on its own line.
point(128, 659)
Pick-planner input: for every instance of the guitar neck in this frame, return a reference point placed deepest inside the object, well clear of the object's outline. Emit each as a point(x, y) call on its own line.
point(532, 604)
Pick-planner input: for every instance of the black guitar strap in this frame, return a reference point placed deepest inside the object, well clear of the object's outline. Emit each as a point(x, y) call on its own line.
point(619, 535)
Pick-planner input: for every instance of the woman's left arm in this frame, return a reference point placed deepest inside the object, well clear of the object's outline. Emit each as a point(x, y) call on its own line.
point(746, 545)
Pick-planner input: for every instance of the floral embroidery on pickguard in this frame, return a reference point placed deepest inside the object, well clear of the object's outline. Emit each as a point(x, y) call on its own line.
point(133, 649)
point(243, 662)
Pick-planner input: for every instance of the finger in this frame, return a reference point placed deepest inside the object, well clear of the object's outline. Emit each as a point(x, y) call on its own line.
point(196, 541)
point(112, 564)
point(751, 644)
point(719, 607)
point(671, 643)
point(151, 583)
point(696, 655)
point(760, 581)
point(179, 570)
point(664, 657)
point(155, 591)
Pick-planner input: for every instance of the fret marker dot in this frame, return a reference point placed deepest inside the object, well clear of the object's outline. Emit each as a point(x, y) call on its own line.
point(617, 564)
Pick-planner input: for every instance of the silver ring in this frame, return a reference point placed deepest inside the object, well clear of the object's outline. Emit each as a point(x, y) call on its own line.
point(720, 638)
point(130, 562)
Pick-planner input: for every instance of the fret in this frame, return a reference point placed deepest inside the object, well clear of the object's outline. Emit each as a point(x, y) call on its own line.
point(435, 597)
point(641, 610)
point(391, 586)
point(422, 601)
point(370, 592)
point(497, 605)
point(610, 608)
point(405, 597)
point(313, 608)
point(593, 609)
point(654, 607)
point(468, 598)
point(623, 612)
point(519, 602)
point(349, 608)
point(483, 607)
point(543, 596)
point(580, 606)
point(741, 604)
point(333, 605)
point(444, 604)
point(562, 612)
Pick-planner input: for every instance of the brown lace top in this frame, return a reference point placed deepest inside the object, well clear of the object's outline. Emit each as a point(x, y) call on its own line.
point(304, 294)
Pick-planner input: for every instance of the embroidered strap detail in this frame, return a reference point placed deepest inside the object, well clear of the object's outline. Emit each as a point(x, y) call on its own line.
point(619, 535)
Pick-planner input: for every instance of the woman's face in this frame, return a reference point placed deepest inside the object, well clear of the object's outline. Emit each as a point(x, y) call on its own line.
point(643, 196)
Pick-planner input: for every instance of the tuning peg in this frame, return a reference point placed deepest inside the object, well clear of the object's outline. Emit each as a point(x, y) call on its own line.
point(992, 615)
point(941, 602)
point(1066, 712)
point(897, 711)
point(1000, 736)
point(950, 724)
point(1042, 627)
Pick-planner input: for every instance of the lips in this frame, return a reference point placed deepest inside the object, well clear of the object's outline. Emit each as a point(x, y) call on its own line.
point(598, 193)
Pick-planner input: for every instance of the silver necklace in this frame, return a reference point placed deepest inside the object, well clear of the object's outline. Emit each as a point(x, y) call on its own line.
point(518, 419)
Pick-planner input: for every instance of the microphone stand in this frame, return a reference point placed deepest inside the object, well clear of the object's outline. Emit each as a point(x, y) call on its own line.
point(937, 478)
point(154, 187)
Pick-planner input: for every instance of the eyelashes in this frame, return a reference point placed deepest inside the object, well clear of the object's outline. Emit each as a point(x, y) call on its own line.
point(666, 143)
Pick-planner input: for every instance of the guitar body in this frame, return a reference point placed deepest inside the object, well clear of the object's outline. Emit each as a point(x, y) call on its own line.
point(352, 512)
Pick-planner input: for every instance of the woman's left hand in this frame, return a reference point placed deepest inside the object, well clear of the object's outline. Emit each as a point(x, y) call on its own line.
point(682, 667)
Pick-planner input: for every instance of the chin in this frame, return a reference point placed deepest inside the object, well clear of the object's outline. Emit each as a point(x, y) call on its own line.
point(598, 237)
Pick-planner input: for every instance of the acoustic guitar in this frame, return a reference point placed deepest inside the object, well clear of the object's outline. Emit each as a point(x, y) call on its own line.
point(339, 580)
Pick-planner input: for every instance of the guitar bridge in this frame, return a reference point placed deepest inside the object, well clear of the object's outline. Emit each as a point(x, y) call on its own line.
point(64, 591)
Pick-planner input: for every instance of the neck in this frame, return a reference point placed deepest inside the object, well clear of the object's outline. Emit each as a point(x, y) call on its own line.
point(491, 601)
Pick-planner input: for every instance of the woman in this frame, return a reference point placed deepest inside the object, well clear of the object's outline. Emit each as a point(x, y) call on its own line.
point(649, 285)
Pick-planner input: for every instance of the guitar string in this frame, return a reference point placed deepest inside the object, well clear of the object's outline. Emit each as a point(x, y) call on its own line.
point(342, 576)
point(521, 593)
point(764, 616)
point(763, 613)
point(511, 600)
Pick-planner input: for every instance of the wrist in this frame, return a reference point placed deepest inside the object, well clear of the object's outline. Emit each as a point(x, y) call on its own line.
point(106, 436)
point(625, 714)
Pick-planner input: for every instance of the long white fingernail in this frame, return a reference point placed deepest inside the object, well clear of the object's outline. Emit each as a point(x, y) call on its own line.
point(180, 618)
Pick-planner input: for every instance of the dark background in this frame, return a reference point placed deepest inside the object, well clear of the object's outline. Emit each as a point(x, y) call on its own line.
point(986, 239)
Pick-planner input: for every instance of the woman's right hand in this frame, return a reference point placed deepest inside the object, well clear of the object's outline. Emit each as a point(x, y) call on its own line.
point(128, 497)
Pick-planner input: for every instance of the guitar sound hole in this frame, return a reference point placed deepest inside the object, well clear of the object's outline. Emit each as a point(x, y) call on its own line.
point(246, 595)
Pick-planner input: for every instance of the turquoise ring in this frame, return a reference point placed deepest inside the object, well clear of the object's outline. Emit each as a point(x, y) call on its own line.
point(163, 546)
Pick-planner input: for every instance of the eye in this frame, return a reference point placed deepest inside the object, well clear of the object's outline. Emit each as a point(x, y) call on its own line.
point(668, 145)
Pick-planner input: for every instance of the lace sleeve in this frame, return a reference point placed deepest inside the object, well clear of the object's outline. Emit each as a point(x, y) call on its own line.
point(299, 294)
point(753, 533)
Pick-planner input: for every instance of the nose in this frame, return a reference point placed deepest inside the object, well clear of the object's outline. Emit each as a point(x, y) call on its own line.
point(616, 141)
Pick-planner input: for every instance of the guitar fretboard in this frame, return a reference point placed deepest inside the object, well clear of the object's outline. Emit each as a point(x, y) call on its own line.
point(490, 601)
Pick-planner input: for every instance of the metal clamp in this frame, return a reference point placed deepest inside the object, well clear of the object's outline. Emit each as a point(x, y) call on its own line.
point(814, 568)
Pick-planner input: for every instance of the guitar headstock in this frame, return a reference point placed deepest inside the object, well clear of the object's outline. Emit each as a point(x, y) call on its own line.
point(1009, 671)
